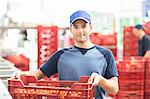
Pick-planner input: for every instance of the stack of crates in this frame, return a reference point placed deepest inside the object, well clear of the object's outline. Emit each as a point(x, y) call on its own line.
point(147, 26)
point(130, 42)
point(147, 78)
point(47, 42)
point(109, 41)
point(131, 77)
point(27, 87)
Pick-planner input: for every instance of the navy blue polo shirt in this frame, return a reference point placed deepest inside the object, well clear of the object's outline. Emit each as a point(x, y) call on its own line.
point(144, 45)
point(71, 63)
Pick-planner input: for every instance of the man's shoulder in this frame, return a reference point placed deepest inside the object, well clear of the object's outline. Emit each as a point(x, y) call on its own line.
point(63, 50)
point(146, 38)
point(102, 49)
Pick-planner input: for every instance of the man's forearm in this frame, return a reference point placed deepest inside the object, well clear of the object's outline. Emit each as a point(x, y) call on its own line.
point(147, 54)
point(26, 73)
point(109, 85)
point(39, 74)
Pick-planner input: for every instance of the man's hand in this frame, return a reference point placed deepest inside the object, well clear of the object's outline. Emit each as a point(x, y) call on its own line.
point(16, 75)
point(38, 74)
point(95, 79)
point(109, 85)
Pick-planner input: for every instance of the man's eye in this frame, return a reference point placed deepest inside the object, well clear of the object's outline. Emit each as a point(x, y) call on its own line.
point(75, 27)
point(83, 26)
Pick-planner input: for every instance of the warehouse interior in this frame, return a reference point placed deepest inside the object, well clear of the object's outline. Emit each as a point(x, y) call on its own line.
point(31, 31)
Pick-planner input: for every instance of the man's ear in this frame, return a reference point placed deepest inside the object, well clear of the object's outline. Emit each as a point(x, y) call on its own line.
point(91, 26)
point(70, 28)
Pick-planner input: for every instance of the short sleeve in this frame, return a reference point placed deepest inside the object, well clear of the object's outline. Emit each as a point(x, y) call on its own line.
point(111, 70)
point(146, 45)
point(50, 67)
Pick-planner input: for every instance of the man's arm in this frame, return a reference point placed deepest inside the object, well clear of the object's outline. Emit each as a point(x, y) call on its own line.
point(37, 74)
point(109, 85)
point(147, 54)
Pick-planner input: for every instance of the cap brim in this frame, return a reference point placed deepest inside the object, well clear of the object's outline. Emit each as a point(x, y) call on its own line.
point(80, 18)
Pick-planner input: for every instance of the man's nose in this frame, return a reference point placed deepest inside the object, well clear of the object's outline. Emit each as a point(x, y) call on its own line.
point(80, 30)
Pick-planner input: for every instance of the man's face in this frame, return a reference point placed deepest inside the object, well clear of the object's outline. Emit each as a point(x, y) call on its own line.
point(136, 31)
point(80, 30)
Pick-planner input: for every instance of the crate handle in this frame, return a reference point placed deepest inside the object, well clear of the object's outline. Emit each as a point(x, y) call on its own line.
point(84, 79)
point(24, 79)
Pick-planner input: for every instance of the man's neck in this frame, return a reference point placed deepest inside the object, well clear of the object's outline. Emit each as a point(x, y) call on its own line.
point(84, 44)
point(141, 35)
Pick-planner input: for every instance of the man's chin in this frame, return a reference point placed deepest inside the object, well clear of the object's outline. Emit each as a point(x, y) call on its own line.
point(82, 41)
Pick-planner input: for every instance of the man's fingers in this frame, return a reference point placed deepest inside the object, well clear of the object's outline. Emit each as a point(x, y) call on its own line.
point(16, 75)
point(96, 81)
point(90, 80)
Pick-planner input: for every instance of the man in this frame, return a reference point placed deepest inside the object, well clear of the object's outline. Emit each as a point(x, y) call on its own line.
point(83, 59)
point(144, 41)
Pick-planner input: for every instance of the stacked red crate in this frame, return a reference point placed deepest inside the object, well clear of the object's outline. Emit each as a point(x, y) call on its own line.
point(130, 42)
point(27, 87)
point(147, 78)
point(131, 77)
point(20, 61)
point(109, 41)
point(47, 42)
point(147, 26)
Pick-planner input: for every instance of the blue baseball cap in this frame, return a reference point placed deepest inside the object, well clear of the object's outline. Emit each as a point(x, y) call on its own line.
point(80, 15)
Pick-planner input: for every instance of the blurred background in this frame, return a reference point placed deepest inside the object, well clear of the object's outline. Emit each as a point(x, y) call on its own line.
point(32, 30)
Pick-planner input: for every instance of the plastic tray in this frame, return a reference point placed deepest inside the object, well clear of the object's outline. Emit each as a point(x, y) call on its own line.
point(29, 88)
point(131, 64)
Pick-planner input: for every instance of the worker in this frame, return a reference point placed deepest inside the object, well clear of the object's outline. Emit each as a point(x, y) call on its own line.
point(83, 59)
point(144, 40)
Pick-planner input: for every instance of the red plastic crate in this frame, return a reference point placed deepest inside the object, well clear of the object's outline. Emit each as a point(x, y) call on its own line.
point(147, 26)
point(130, 42)
point(147, 64)
point(128, 48)
point(134, 86)
point(128, 39)
point(130, 76)
point(131, 64)
point(27, 87)
point(20, 61)
point(129, 52)
point(147, 74)
point(110, 39)
point(114, 51)
point(129, 95)
point(47, 42)
point(147, 95)
point(147, 89)
point(147, 84)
